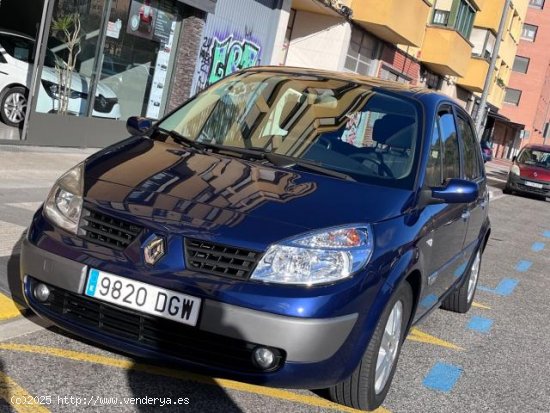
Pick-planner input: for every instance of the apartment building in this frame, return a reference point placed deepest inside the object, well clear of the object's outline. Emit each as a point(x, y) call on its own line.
point(527, 99)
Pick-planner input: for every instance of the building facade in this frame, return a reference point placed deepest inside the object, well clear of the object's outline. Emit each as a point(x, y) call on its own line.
point(527, 99)
point(145, 57)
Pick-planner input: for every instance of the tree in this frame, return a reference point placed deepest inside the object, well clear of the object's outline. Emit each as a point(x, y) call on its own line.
point(67, 29)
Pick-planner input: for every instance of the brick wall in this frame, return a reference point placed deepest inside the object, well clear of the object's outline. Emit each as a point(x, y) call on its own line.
point(401, 63)
point(534, 85)
point(186, 56)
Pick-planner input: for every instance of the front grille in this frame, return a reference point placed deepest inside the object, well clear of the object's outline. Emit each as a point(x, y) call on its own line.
point(104, 105)
point(217, 259)
point(106, 230)
point(154, 333)
point(532, 189)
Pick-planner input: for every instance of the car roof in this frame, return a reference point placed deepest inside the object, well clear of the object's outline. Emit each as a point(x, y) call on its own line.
point(543, 148)
point(428, 96)
point(16, 34)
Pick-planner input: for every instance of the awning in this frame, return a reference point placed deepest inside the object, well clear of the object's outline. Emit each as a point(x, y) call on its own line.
point(503, 119)
point(208, 6)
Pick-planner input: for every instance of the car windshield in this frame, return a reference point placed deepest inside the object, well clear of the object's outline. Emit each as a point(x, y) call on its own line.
point(535, 157)
point(18, 47)
point(358, 130)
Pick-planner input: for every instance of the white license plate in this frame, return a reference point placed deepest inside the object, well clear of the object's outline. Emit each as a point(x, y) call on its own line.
point(533, 184)
point(143, 297)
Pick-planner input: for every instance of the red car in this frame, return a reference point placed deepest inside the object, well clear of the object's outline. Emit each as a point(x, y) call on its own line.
point(530, 172)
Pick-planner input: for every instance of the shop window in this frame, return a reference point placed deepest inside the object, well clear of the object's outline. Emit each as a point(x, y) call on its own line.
point(529, 32)
point(361, 53)
point(122, 58)
point(521, 64)
point(512, 96)
point(536, 4)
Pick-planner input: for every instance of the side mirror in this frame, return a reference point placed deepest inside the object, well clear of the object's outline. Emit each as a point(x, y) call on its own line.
point(456, 191)
point(138, 125)
point(514, 159)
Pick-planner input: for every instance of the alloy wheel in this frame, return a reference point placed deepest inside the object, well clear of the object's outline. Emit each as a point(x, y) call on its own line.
point(474, 275)
point(387, 353)
point(15, 106)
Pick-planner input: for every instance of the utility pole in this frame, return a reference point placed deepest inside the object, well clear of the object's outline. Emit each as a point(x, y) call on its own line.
point(483, 102)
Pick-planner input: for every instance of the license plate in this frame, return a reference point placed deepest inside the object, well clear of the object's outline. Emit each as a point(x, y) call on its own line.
point(533, 184)
point(143, 297)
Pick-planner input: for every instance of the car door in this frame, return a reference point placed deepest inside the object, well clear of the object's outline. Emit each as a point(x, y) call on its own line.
point(473, 171)
point(443, 249)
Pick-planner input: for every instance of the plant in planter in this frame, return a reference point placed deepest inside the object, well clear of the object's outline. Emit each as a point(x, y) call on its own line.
point(67, 29)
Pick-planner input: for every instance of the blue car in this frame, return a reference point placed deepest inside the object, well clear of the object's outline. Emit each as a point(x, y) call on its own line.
point(284, 227)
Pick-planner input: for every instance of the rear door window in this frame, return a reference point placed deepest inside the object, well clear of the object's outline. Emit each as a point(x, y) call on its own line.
point(472, 169)
point(449, 140)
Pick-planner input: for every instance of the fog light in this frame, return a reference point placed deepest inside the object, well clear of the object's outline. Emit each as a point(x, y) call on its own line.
point(41, 292)
point(264, 358)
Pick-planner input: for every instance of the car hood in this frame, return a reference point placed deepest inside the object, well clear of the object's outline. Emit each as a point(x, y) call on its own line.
point(180, 190)
point(534, 172)
point(80, 83)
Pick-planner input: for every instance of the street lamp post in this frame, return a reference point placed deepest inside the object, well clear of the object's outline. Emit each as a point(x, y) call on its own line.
point(483, 102)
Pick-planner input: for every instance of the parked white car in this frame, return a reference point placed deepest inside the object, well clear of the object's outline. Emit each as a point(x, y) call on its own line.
point(16, 56)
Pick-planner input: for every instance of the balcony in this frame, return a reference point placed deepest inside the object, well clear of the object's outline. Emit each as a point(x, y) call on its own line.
point(386, 19)
point(489, 16)
point(445, 51)
point(474, 79)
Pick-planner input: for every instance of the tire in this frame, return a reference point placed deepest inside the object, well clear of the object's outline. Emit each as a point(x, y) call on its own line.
point(507, 190)
point(13, 105)
point(361, 390)
point(460, 300)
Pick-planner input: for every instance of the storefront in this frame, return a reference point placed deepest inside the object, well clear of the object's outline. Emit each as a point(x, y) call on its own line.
point(107, 60)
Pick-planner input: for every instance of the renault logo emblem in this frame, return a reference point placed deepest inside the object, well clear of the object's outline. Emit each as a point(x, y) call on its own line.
point(154, 249)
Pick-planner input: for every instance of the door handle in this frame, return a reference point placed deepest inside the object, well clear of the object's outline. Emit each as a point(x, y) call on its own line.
point(483, 203)
point(465, 215)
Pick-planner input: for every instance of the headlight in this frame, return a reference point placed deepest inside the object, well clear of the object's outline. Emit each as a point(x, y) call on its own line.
point(64, 203)
point(52, 89)
point(515, 170)
point(317, 258)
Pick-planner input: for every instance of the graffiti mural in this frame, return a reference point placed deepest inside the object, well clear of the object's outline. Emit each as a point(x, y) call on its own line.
point(222, 55)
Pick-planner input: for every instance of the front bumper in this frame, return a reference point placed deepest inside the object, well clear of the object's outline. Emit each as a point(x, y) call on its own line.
point(520, 184)
point(307, 345)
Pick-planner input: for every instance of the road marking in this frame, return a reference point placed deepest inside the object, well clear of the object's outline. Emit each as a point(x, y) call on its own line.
point(523, 266)
point(480, 324)
point(421, 337)
point(537, 246)
point(181, 375)
point(29, 206)
point(8, 309)
point(442, 377)
point(10, 391)
point(504, 288)
point(9, 235)
point(479, 305)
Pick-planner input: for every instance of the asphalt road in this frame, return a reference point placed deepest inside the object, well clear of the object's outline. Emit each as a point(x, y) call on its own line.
point(492, 359)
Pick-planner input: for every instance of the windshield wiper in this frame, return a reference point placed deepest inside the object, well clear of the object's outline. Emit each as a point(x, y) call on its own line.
point(288, 161)
point(179, 138)
point(275, 159)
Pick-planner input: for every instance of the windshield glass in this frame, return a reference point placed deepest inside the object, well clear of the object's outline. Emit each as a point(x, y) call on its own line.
point(535, 157)
point(340, 125)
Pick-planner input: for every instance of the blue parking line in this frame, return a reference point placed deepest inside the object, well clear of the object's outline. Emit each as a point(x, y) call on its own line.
point(442, 377)
point(523, 265)
point(546, 234)
point(460, 270)
point(480, 324)
point(537, 246)
point(428, 301)
point(504, 288)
